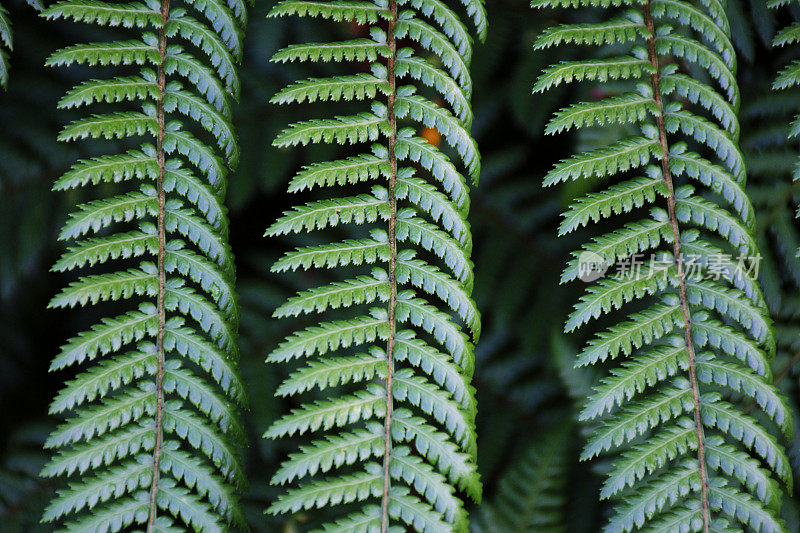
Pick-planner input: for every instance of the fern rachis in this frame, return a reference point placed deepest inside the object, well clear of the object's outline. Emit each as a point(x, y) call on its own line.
point(676, 243)
point(643, 403)
point(422, 371)
point(392, 304)
point(153, 426)
point(159, 430)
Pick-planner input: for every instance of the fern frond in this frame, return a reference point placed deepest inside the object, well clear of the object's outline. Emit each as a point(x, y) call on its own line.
point(690, 340)
point(152, 423)
point(393, 410)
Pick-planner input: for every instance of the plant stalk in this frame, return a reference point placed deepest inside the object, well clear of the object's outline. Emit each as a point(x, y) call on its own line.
point(390, 67)
point(162, 50)
point(676, 245)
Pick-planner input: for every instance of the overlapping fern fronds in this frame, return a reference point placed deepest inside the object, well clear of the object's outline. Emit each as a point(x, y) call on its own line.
point(150, 439)
point(389, 365)
point(691, 344)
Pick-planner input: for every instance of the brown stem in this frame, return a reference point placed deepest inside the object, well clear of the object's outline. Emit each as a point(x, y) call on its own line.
point(162, 50)
point(392, 261)
point(676, 245)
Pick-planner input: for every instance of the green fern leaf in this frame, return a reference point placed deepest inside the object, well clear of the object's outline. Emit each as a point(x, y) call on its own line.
point(151, 420)
point(690, 340)
point(393, 412)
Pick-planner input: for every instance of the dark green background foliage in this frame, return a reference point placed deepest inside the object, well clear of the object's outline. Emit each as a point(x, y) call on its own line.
point(528, 392)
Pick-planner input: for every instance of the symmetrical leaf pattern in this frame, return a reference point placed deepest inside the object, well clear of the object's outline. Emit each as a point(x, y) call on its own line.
point(689, 400)
point(394, 410)
point(152, 428)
